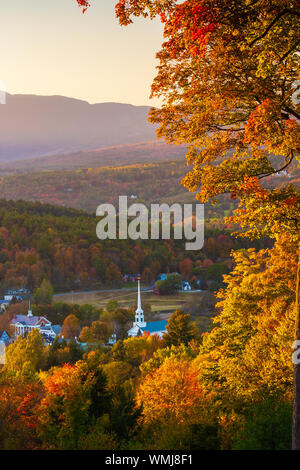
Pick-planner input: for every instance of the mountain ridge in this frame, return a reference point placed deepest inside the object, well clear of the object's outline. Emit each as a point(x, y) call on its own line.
point(35, 125)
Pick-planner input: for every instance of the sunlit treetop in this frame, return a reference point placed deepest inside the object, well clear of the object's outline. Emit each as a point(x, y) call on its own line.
point(228, 78)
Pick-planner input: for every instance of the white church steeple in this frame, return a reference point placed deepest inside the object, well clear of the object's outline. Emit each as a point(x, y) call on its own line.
point(29, 309)
point(139, 313)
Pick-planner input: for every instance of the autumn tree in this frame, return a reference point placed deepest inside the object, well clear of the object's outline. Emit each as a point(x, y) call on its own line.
point(173, 402)
point(227, 71)
point(64, 411)
point(136, 350)
point(147, 276)
point(61, 352)
point(185, 267)
point(19, 400)
point(98, 331)
point(246, 358)
point(122, 317)
point(180, 329)
point(112, 275)
point(25, 356)
point(117, 372)
point(71, 327)
point(163, 398)
point(228, 81)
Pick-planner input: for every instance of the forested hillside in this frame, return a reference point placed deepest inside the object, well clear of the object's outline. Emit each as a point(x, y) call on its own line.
point(149, 183)
point(42, 241)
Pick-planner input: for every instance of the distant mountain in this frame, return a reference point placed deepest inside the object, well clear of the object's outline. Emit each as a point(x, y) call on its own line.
point(31, 126)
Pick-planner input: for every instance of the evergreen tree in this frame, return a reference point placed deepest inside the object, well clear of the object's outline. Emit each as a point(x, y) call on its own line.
point(180, 329)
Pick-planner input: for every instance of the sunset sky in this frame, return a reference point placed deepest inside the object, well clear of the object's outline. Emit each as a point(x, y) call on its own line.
point(49, 47)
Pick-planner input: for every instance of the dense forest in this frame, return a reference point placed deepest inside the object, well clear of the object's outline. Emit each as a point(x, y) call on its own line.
point(229, 389)
point(40, 241)
point(85, 189)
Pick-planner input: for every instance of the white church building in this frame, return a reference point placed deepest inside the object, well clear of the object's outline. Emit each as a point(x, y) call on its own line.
point(24, 324)
point(140, 326)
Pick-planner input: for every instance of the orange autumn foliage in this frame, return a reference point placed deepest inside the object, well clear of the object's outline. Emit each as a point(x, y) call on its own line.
point(172, 392)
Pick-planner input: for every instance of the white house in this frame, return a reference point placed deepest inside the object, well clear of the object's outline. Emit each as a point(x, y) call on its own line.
point(186, 286)
point(139, 326)
point(24, 324)
point(49, 332)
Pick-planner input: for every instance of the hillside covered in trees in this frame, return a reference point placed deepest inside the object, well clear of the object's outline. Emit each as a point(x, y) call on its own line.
point(86, 188)
point(229, 389)
point(228, 80)
point(40, 241)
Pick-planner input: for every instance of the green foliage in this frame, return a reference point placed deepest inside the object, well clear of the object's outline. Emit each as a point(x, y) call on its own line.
point(267, 426)
point(112, 305)
point(100, 397)
point(181, 436)
point(216, 271)
point(61, 352)
point(124, 413)
point(26, 355)
point(44, 294)
point(180, 329)
point(170, 285)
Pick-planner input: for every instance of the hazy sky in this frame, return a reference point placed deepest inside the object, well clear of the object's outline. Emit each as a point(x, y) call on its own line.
point(49, 47)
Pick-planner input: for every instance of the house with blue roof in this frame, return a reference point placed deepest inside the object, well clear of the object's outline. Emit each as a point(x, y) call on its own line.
point(50, 332)
point(140, 326)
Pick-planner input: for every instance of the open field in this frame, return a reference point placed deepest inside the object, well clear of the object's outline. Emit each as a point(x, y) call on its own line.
point(127, 298)
point(199, 304)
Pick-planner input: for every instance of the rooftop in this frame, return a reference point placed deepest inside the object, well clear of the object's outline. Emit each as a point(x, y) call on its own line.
point(26, 320)
point(154, 326)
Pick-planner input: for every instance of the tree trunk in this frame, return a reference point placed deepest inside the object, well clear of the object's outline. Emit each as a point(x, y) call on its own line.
point(296, 409)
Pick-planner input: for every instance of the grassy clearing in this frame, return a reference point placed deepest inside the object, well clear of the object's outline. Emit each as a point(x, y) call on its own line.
point(127, 299)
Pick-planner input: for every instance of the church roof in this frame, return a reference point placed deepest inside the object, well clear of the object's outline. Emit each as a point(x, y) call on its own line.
point(25, 320)
point(154, 326)
point(29, 321)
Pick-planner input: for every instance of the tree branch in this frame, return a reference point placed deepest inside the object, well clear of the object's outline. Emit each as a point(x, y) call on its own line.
point(292, 111)
point(290, 159)
point(277, 18)
point(289, 51)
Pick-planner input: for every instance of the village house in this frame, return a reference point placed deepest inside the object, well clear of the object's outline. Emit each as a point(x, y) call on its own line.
point(24, 324)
